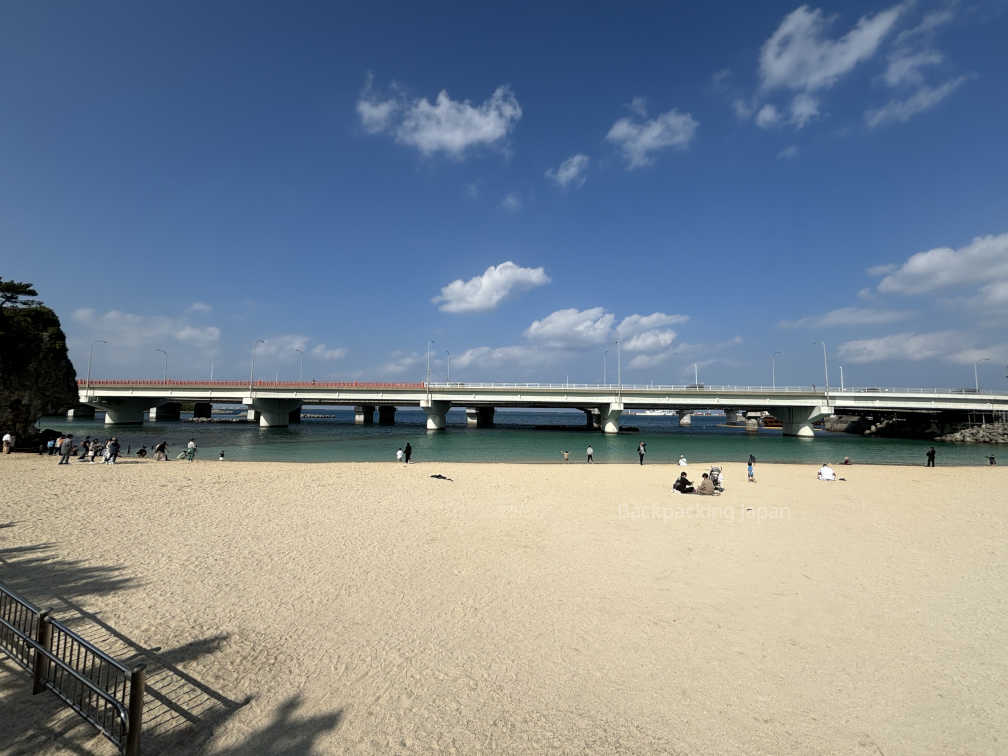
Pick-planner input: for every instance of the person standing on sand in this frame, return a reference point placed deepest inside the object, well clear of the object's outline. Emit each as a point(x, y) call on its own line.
point(407, 452)
point(114, 450)
point(65, 450)
point(641, 451)
point(930, 457)
point(8, 443)
point(750, 475)
point(590, 452)
point(398, 454)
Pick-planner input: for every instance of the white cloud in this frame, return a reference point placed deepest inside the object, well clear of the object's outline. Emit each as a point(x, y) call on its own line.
point(928, 24)
point(322, 352)
point(984, 260)
point(848, 316)
point(512, 202)
point(571, 171)
point(133, 331)
point(282, 344)
point(923, 99)
point(881, 270)
point(804, 107)
point(650, 341)
point(199, 307)
point(904, 66)
point(638, 140)
point(507, 357)
point(488, 290)
point(446, 125)
point(572, 328)
point(788, 153)
point(401, 362)
point(638, 105)
point(767, 117)
point(900, 346)
point(798, 55)
point(635, 324)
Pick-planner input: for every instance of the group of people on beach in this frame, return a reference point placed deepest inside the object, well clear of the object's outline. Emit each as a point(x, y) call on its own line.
point(64, 447)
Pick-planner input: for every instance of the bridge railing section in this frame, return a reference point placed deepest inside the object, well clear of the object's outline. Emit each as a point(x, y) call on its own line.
point(100, 689)
point(106, 382)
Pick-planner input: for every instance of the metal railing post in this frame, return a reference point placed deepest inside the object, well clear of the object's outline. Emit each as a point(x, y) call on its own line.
point(137, 683)
point(41, 669)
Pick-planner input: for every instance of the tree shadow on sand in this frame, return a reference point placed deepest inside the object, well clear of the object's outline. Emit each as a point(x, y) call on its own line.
point(181, 713)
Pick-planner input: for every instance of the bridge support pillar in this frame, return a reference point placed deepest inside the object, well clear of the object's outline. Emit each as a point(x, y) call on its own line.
point(592, 419)
point(275, 413)
point(609, 417)
point(731, 416)
point(363, 414)
point(386, 415)
point(252, 415)
point(752, 421)
point(797, 421)
point(202, 410)
point(685, 418)
point(437, 413)
point(294, 416)
point(81, 411)
point(480, 417)
point(166, 411)
point(125, 411)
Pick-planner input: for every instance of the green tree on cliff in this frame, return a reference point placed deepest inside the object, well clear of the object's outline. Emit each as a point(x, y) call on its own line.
point(36, 375)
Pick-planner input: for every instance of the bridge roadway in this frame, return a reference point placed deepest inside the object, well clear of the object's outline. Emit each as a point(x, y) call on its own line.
point(276, 404)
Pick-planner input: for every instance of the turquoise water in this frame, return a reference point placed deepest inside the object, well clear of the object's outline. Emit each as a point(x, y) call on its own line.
point(514, 439)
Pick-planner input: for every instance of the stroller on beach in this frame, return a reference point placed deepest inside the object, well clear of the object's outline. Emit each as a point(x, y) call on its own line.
point(717, 478)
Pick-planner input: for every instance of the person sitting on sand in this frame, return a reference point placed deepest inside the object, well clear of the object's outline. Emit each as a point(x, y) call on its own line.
point(683, 485)
point(682, 460)
point(846, 460)
point(161, 452)
point(826, 472)
point(566, 455)
point(706, 486)
point(141, 452)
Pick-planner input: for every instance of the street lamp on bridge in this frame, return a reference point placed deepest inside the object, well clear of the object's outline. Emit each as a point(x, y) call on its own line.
point(165, 371)
point(825, 360)
point(300, 352)
point(976, 374)
point(90, 359)
point(773, 369)
point(252, 363)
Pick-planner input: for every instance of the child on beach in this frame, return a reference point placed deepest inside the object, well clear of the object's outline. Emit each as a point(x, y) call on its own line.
point(750, 476)
point(398, 454)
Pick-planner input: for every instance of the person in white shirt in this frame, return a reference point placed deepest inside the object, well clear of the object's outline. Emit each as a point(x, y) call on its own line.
point(682, 460)
point(8, 443)
point(826, 473)
point(398, 454)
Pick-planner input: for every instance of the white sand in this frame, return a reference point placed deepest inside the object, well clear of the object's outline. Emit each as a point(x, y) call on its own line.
point(368, 607)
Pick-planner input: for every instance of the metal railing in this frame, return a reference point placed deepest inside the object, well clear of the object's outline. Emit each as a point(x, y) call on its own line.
point(101, 690)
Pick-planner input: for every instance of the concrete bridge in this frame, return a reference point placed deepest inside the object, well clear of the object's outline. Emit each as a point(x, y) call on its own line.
point(277, 404)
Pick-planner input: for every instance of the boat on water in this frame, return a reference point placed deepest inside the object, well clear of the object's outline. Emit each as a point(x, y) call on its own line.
point(655, 412)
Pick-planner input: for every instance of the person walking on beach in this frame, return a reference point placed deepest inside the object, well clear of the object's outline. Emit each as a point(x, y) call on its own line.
point(84, 448)
point(930, 457)
point(114, 450)
point(8, 443)
point(407, 452)
point(65, 450)
point(750, 475)
point(641, 451)
point(191, 449)
point(590, 452)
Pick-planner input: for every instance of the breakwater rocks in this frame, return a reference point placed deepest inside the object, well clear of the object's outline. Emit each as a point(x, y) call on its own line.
point(991, 433)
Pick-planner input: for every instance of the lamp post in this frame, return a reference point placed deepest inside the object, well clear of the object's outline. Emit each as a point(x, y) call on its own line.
point(165, 371)
point(90, 359)
point(619, 364)
point(841, 378)
point(252, 363)
point(430, 343)
point(605, 354)
point(773, 369)
point(449, 365)
point(825, 359)
point(976, 374)
point(696, 376)
point(300, 352)
point(211, 370)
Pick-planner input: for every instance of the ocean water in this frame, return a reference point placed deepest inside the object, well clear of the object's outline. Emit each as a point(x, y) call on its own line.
point(518, 436)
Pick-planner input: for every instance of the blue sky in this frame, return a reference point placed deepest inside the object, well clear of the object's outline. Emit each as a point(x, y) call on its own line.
point(702, 183)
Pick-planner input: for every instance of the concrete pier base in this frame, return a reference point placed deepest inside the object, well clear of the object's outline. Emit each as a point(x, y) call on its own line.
point(125, 412)
point(480, 417)
point(275, 413)
point(363, 414)
point(386, 415)
point(731, 416)
point(252, 415)
point(592, 419)
point(609, 417)
point(166, 411)
point(797, 421)
point(436, 413)
point(81, 412)
point(685, 418)
point(752, 421)
point(202, 410)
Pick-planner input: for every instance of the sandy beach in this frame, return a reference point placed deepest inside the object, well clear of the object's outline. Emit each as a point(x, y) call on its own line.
point(326, 608)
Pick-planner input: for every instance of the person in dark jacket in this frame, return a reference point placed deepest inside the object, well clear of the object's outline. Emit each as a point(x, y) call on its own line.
point(682, 485)
point(407, 452)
